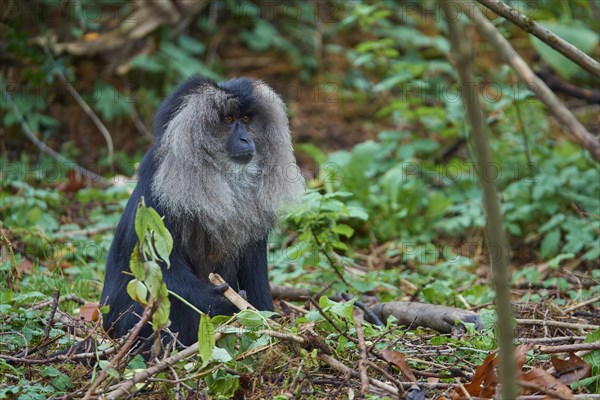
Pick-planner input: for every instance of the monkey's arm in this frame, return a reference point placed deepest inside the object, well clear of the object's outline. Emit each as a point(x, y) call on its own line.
point(253, 276)
point(208, 298)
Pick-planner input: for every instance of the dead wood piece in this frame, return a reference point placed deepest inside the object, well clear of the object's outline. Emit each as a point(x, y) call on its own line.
point(147, 17)
point(289, 293)
point(441, 318)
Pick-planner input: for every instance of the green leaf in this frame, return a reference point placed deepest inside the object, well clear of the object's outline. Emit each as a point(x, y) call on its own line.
point(147, 63)
point(160, 318)
point(555, 262)
point(343, 229)
point(108, 368)
point(358, 213)
point(147, 219)
point(163, 241)
point(50, 372)
point(221, 355)
point(191, 45)
point(34, 215)
point(137, 362)
point(553, 222)
point(312, 151)
point(593, 337)
point(341, 309)
point(262, 37)
point(581, 37)
point(339, 245)
point(135, 263)
point(438, 204)
point(137, 291)
point(109, 101)
point(206, 339)
point(141, 224)
point(154, 279)
point(550, 244)
point(222, 383)
point(250, 319)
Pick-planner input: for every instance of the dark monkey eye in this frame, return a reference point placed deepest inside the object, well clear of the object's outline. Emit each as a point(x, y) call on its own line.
point(228, 119)
point(246, 119)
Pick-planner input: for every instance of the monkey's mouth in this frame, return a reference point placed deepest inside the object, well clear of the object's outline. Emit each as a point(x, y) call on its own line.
point(243, 157)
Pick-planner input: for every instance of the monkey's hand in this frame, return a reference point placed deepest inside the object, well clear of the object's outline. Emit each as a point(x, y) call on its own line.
point(219, 304)
point(240, 300)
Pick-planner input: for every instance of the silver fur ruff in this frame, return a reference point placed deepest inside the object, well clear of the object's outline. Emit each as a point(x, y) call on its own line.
point(217, 206)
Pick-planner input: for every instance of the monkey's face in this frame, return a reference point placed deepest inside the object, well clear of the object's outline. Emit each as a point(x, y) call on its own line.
point(238, 144)
point(223, 152)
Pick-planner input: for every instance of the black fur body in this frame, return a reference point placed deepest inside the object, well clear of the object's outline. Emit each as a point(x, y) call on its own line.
point(219, 186)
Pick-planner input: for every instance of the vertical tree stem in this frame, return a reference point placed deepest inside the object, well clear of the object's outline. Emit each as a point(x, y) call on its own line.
point(497, 244)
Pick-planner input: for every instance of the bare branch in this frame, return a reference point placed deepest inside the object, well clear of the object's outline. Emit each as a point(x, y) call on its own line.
point(129, 342)
point(90, 113)
point(529, 25)
point(42, 146)
point(126, 386)
point(526, 75)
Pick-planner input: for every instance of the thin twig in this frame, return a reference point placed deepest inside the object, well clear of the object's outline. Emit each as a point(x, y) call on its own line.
point(556, 324)
point(126, 386)
point(57, 358)
point(463, 389)
point(582, 304)
point(332, 362)
point(85, 232)
point(387, 375)
point(331, 322)
point(177, 383)
point(551, 339)
point(371, 316)
point(328, 257)
point(46, 303)
point(90, 113)
point(139, 124)
point(568, 348)
point(529, 25)
point(50, 322)
point(14, 275)
point(525, 135)
point(43, 147)
point(129, 342)
point(362, 368)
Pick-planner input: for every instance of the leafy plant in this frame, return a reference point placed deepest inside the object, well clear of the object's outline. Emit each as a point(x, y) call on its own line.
point(320, 222)
point(154, 247)
point(175, 61)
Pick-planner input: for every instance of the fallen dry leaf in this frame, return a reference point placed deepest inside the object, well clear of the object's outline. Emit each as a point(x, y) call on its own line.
point(91, 36)
point(73, 183)
point(521, 355)
point(543, 379)
point(90, 311)
point(25, 267)
point(484, 380)
point(399, 360)
point(572, 369)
